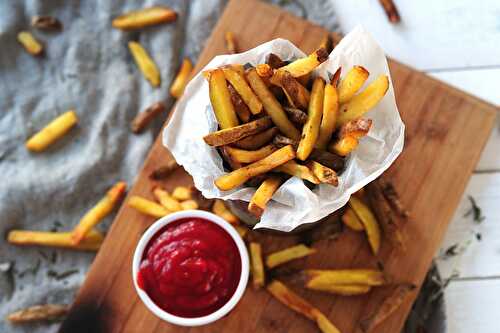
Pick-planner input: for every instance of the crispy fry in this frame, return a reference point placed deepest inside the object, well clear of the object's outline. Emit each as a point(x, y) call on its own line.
point(264, 193)
point(46, 312)
point(356, 128)
point(181, 79)
point(46, 23)
point(164, 171)
point(250, 156)
point(390, 10)
point(189, 204)
point(145, 117)
point(182, 193)
point(344, 146)
point(297, 116)
point(324, 324)
point(145, 63)
point(233, 134)
point(343, 289)
point(258, 275)
point(52, 132)
point(274, 61)
point(91, 242)
point(330, 112)
point(352, 82)
point(351, 220)
point(231, 44)
point(295, 252)
point(390, 304)
point(369, 221)
point(258, 140)
point(241, 86)
point(364, 101)
point(264, 70)
point(310, 132)
point(294, 169)
point(237, 177)
point(147, 207)
point(233, 164)
point(220, 209)
point(166, 200)
point(31, 45)
point(98, 212)
point(332, 161)
point(235, 67)
point(221, 100)
point(316, 278)
point(306, 65)
point(393, 198)
point(271, 105)
point(144, 18)
point(323, 173)
point(298, 96)
point(240, 107)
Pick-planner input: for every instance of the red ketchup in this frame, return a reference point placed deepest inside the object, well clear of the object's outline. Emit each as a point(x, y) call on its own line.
point(190, 268)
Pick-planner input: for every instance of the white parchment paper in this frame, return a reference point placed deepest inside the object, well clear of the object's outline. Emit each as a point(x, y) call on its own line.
point(293, 204)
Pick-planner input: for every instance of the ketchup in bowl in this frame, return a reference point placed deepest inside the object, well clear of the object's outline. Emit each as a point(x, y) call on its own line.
point(190, 268)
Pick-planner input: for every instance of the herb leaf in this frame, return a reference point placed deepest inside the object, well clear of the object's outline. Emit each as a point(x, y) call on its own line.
point(475, 211)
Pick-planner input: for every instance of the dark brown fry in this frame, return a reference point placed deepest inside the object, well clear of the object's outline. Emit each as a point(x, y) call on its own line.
point(240, 107)
point(145, 117)
point(274, 61)
point(334, 80)
point(233, 134)
point(297, 116)
point(392, 196)
point(46, 23)
point(164, 171)
point(46, 312)
point(390, 10)
point(258, 140)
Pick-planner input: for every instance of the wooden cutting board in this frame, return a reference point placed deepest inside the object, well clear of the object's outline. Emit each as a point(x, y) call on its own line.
point(446, 131)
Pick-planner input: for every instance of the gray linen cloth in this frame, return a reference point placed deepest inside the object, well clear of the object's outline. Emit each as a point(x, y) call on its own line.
point(86, 67)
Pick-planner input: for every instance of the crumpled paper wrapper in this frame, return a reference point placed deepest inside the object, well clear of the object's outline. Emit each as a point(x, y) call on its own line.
point(293, 204)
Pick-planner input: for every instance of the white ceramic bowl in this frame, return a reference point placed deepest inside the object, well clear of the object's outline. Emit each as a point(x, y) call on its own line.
point(155, 227)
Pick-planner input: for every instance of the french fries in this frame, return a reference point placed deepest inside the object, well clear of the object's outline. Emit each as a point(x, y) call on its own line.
point(52, 132)
point(243, 89)
point(326, 43)
point(145, 63)
point(297, 116)
point(310, 131)
point(181, 79)
point(323, 173)
point(356, 128)
point(298, 96)
point(264, 193)
point(233, 165)
point(166, 200)
point(258, 274)
point(189, 204)
point(220, 209)
point(98, 212)
point(333, 161)
point(288, 254)
point(364, 101)
point(182, 193)
point(369, 221)
point(237, 177)
point(221, 100)
point(230, 42)
point(271, 105)
point(390, 10)
point(250, 156)
point(258, 140)
point(144, 18)
point(390, 304)
point(343, 289)
point(240, 107)
point(234, 134)
point(91, 242)
point(344, 146)
point(274, 61)
point(31, 45)
point(317, 278)
point(306, 65)
point(330, 112)
point(144, 118)
point(324, 324)
point(264, 70)
point(164, 171)
point(352, 82)
point(351, 220)
point(292, 168)
point(46, 312)
point(147, 207)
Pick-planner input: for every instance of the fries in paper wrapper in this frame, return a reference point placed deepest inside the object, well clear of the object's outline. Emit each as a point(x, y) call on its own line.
point(294, 203)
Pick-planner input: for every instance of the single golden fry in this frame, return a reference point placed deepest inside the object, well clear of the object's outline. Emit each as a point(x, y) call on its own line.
point(226, 157)
point(258, 275)
point(294, 169)
point(241, 86)
point(221, 100)
point(91, 242)
point(237, 177)
point(369, 221)
point(98, 212)
point(233, 134)
point(147, 207)
point(288, 254)
point(352, 82)
point(297, 116)
point(364, 101)
point(220, 209)
point(330, 113)
point(306, 65)
point(46, 312)
point(182, 193)
point(164, 171)
point(264, 193)
point(231, 42)
point(181, 79)
point(250, 156)
point(189, 204)
point(316, 278)
point(240, 107)
point(258, 140)
point(144, 18)
point(31, 45)
point(351, 220)
point(242, 230)
point(145, 63)
point(323, 173)
point(324, 324)
point(344, 146)
point(264, 70)
point(145, 117)
point(390, 304)
point(343, 289)
point(271, 105)
point(52, 132)
point(310, 132)
point(166, 200)
point(356, 128)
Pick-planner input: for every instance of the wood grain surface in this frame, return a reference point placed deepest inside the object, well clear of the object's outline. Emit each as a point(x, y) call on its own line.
point(446, 131)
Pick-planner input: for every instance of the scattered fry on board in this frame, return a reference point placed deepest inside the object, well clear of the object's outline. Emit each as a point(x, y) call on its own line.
point(351, 220)
point(390, 10)
point(182, 78)
point(144, 18)
point(31, 45)
point(46, 23)
point(343, 289)
point(294, 252)
point(166, 200)
point(145, 117)
point(231, 44)
point(147, 207)
point(52, 132)
point(189, 204)
point(164, 171)
point(257, 265)
point(220, 209)
point(145, 63)
point(182, 193)
point(369, 221)
point(91, 242)
point(316, 278)
point(46, 312)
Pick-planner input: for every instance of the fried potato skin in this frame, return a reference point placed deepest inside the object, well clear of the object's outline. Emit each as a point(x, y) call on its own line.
point(258, 140)
point(234, 134)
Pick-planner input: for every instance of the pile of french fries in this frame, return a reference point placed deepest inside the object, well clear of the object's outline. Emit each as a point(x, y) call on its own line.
point(276, 120)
